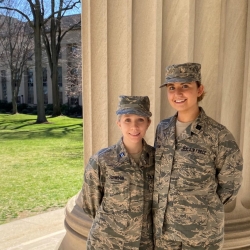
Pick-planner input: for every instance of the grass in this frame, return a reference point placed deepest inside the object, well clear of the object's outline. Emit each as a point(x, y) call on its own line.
point(41, 165)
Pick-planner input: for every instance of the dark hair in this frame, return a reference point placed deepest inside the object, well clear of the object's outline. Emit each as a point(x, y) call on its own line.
point(203, 94)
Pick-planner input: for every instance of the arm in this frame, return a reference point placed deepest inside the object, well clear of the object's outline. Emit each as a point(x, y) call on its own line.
point(92, 190)
point(229, 164)
point(156, 144)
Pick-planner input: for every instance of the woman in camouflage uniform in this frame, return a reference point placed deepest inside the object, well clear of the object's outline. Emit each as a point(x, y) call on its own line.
point(198, 168)
point(118, 184)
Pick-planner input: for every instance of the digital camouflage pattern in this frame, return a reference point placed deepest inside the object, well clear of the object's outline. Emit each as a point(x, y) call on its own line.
point(117, 194)
point(195, 175)
point(186, 72)
point(137, 105)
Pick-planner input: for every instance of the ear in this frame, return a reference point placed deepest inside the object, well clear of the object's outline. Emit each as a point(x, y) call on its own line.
point(200, 90)
point(118, 124)
point(149, 122)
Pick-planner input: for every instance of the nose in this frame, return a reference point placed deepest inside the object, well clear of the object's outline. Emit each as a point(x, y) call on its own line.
point(178, 91)
point(134, 124)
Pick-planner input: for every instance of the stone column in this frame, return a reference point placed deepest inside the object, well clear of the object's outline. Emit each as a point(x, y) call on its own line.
point(126, 46)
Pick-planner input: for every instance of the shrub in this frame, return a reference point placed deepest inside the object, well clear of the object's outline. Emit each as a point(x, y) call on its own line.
point(6, 105)
point(25, 111)
point(21, 107)
point(49, 107)
point(31, 109)
point(48, 112)
point(75, 110)
point(65, 109)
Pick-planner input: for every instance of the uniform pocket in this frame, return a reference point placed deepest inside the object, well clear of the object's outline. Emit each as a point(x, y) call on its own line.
point(189, 211)
point(116, 194)
point(194, 177)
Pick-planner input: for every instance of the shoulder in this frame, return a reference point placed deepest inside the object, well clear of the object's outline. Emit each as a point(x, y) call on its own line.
point(102, 157)
point(105, 153)
point(211, 123)
point(217, 130)
point(150, 150)
point(165, 123)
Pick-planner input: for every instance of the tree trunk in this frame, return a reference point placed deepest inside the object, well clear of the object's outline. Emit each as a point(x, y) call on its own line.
point(14, 104)
point(54, 67)
point(55, 93)
point(13, 93)
point(41, 118)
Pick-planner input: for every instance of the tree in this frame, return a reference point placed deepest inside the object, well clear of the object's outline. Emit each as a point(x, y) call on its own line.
point(40, 17)
point(53, 33)
point(36, 24)
point(17, 48)
point(73, 87)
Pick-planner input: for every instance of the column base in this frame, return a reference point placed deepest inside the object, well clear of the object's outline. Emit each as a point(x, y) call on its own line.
point(237, 234)
point(77, 225)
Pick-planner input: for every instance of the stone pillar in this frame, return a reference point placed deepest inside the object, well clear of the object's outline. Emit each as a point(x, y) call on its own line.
point(126, 46)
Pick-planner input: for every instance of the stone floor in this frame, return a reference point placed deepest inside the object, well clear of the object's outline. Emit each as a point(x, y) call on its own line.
point(40, 232)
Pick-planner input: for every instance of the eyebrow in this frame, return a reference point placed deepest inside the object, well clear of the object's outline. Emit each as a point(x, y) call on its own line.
point(172, 84)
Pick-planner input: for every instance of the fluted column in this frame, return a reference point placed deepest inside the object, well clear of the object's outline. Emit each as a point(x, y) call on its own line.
point(126, 46)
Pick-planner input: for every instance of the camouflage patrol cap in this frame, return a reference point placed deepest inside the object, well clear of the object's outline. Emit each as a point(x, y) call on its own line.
point(137, 105)
point(186, 72)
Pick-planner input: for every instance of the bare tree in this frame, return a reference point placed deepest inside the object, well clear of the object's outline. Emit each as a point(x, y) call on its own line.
point(73, 88)
point(39, 23)
point(17, 48)
point(53, 32)
point(35, 23)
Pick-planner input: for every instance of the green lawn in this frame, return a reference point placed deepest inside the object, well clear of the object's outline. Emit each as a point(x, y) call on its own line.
point(41, 165)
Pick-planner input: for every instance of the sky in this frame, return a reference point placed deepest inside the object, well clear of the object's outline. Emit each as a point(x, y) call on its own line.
point(23, 4)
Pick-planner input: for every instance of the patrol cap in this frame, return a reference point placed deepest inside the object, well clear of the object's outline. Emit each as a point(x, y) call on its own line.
point(137, 105)
point(186, 72)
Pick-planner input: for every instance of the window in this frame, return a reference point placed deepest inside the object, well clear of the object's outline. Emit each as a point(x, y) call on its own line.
point(72, 49)
point(59, 76)
point(74, 100)
point(61, 97)
point(30, 86)
point(4, 85)
point(45, 86)
point(30, 55)
point(45, 77)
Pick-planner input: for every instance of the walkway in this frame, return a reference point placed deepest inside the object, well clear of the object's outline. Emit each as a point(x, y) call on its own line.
point(39, 232)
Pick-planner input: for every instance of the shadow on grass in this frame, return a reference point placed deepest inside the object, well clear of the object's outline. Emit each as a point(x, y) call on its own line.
point(27, 122)
point(30, 124)
point(55, 132)
point(6, 121)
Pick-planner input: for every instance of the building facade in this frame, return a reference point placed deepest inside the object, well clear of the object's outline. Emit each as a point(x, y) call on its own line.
point(69, 59)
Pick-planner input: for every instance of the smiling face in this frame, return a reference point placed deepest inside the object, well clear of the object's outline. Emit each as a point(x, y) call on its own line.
point(133, 129)
point(183, 98)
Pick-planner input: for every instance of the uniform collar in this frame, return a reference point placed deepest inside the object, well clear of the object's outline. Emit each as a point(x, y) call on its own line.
point(195, 127)
point(123, 155)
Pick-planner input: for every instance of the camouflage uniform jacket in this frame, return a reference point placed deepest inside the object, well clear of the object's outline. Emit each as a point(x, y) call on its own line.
point(117, 194)
point(195, 175)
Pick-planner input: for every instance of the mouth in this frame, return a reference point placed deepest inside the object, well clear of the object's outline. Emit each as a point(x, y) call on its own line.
point(135, 135)
point(180, 101)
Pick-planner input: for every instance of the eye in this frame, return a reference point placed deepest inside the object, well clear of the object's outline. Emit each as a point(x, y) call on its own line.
point(171, 88)
point(127, 120)
point(185, 86)
point(141, 119)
